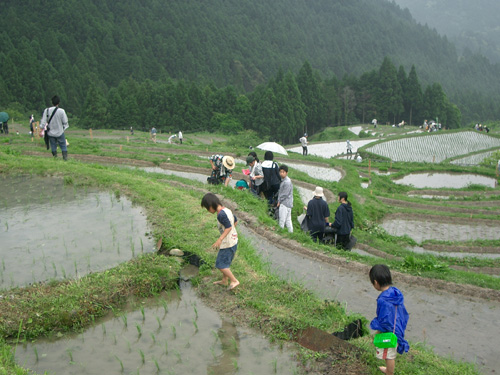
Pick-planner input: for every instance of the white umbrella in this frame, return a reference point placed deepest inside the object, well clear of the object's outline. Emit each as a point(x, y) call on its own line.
point(273, 146)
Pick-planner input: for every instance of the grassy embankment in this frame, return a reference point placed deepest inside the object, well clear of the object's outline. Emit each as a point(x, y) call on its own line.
point(280, 309)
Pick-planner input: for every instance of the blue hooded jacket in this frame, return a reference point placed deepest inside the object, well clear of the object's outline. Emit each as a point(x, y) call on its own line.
point(386, 308)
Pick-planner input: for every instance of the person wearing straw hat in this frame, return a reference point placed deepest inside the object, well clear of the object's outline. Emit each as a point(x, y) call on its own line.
point(317, 215)
point(222, 167)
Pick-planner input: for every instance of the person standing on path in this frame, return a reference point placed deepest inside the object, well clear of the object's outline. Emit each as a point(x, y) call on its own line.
point(391, 316)
point(227, 243)
point(303, 142)
point(344, 221)
point(180, 137)
point(153, 134)
point(55, 122)
point(317, 215)
point(349, 147)
point(256, 175)
point(285, 200)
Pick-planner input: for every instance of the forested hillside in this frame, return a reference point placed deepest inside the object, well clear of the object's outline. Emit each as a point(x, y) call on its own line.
point(471, 25)
point(79, 47)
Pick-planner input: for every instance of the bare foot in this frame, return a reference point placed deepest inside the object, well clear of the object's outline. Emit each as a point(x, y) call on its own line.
point(383, 369)
point(233, 285)
point(221, 282)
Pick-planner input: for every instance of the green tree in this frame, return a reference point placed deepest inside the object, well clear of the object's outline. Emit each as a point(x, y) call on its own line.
point(412, 95)
point(390, 101)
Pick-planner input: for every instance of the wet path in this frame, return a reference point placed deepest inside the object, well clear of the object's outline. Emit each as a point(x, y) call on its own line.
point(463, 327)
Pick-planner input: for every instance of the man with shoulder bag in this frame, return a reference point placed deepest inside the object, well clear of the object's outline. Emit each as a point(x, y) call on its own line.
point(55, 122)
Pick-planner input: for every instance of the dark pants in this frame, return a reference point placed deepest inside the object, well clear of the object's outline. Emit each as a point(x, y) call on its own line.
point(304, 150)
point(270, 194)
point(317, 236)
point(342, 240)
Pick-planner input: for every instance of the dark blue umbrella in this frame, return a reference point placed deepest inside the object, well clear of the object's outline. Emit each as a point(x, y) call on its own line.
point(4, 117)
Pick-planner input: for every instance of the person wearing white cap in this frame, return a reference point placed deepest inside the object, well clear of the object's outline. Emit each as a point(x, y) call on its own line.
point(222, 166)
point(317, 215)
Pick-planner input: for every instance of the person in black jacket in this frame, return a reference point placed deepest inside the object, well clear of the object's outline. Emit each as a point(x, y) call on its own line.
point(317, 215)
point(272, 179)
point(344, 221)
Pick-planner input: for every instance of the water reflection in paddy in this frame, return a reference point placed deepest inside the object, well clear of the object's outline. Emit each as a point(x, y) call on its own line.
point(50, 230)
point(445, 180)
point(175, 334)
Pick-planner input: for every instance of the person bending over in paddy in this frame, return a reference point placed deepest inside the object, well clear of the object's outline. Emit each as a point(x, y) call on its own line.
point(227, 243)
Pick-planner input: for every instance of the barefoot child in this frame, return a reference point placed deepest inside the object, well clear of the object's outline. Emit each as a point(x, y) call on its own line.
point(228, 240)
point(391, 315)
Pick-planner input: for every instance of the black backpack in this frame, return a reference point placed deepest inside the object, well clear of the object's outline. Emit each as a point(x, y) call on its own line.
point(271, 177)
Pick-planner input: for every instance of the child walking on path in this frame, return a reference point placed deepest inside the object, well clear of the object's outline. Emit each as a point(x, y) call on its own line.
point(227, 243)
point(391, 316)
point(285, 200)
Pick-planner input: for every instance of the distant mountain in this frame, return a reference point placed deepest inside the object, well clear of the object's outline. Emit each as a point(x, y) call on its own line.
point(65, 47)
point(469, 24)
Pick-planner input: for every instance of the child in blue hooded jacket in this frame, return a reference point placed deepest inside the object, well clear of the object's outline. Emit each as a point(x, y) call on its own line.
point(390, 311)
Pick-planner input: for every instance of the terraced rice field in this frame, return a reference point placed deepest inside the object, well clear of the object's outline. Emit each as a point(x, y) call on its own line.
point(434, 148)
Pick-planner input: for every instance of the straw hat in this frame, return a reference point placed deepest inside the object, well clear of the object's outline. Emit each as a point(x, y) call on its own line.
point(228, 162)
point(318, 192)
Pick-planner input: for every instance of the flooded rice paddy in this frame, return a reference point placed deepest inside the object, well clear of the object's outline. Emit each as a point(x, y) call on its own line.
point(320, 173)
point(420, 230)
point(445, 180)
point(50, 230)
point(173, 334)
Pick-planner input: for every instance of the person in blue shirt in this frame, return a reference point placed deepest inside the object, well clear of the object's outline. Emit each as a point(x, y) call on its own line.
point(391, 316)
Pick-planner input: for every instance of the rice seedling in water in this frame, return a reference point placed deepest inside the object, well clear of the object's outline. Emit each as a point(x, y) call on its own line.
point(121, 363)
point(195, 312)
point(235, 364)
point(157, 365)
point(63, 271)
point(153, 337)
point(235, 344)
point(195, 326)
point(143, 314)
point(165, 306)
point(76, 268)
point(36, 353)
point(70, 353)
point(166, 348)
point(174, 331)
point(275, 365)
point(159, 322)
point(142, 245)
point(114, 339)
point(216, 335)
point(55, 269)
point(124, 318)
point(178, 355)
point(139, 329)
point(141, 353)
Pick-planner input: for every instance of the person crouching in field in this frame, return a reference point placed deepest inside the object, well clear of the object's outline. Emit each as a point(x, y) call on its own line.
point(228, 240)
point(391, 315)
